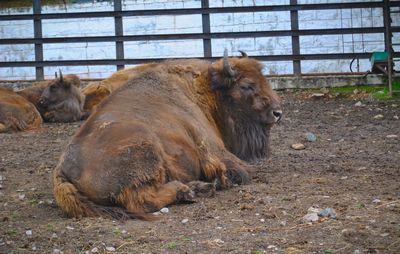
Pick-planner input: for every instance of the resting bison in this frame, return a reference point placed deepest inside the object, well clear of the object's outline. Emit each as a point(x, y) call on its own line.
point(172, 131)
point(95, 92)
point(62, 101)
point(17, 113)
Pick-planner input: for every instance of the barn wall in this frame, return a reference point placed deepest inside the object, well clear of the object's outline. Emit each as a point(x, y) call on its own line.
point(190, 24)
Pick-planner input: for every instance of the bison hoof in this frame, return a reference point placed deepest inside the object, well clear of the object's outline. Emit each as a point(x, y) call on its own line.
point(186, 196)
point(203, 189)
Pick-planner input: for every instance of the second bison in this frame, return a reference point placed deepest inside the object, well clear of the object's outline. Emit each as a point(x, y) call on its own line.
point(172, 131)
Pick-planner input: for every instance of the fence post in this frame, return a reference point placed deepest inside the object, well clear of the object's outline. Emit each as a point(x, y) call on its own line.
point(37, 31)
point(294, 21)
point(388, 42)
point(119, 31)
point(206, 29)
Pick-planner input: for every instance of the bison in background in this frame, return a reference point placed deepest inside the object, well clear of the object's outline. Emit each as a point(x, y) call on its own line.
point(171, 132)
point(95, 92)
point(62, 100)
point(17, 113)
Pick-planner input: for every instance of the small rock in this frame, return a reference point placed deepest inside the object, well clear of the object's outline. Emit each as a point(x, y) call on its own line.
point(314, 209)
point(298, 146)
point(356, 252)
point(358, 104)
point(164, 210)
point(1, 186)
point(262, 220)
point(311, 137)
point(110, 248)
point(94, 250)
point(57, 251)
point(317, 95)
point(328, 212)
point(185, 221)
point(28, 232)
point(271, 247)
point(311, 217)
point(396, 117)
point(283, 223)
point(21, 196)
point(1, 178)
point(54, 235)
point(391, 136)
point(380, 116)
point(70, 228)
point(344, 177)
point(384, 234)
point(376, 201)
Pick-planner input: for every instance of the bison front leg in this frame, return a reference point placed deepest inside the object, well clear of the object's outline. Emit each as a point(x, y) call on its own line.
point(153, 198)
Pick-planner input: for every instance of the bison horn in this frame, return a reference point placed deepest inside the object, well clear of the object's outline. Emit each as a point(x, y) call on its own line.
point(244, 54)
point(61, 76)
point(227, 67)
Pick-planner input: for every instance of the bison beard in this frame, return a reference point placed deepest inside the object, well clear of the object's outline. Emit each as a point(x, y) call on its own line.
point(171, 133)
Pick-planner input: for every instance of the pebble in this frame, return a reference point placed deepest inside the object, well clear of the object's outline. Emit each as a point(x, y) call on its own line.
point(318, 95)
point(391, 136)
point(185, 221)
point(358, 104)
point(164, 210)
point(311, 217)
point(21, 196)
point(1, 178)
point(94, 250)
point(262, 220)
point(54, 235)
point(314, 209)
point(311, 137)
point(298, 146)
point(385, 234)
point(328, 212)
point(57, 251)
point(28, 232)
point(70, 228)
point(110, 248)
point(378, 116)
point(376, 201)
point(396, 117)
point(1, 186)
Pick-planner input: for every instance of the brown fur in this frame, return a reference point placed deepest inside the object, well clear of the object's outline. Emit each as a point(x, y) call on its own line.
point(150, 143)
point(17, 113)
point(62, 100)
point(95, 92)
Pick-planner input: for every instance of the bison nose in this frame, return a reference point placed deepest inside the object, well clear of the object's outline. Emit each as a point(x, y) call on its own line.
point(278, 115)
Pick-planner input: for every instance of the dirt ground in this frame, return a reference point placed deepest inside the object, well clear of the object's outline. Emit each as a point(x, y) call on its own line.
point(352, 167)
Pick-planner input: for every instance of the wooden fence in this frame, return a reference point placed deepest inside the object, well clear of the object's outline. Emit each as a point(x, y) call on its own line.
point(206, 35)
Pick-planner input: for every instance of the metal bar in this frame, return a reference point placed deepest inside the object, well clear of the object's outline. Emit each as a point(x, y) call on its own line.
point(388, 42)
point(146, 60)
point(194, 36)
point(189, 11)
point(119, 31)
point(294, 22)
point(37, 31)
point(205, 21)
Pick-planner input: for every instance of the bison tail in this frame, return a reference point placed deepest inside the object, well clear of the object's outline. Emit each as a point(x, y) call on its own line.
point(73, 203)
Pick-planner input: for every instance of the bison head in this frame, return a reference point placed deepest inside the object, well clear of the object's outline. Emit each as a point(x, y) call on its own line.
point(247, 106)
point(59, 90)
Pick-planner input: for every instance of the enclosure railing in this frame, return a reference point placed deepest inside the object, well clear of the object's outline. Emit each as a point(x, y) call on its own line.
point(206, 35)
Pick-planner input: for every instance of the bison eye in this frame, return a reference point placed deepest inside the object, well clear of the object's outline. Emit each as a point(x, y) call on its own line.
point(247, 88)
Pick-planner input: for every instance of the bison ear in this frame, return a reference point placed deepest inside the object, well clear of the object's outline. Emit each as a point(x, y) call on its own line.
point(222, 78)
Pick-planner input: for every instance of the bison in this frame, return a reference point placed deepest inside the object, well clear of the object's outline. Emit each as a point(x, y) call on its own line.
point(95, 92)
point(17, 113)
point(62, 100)
point(173, 131)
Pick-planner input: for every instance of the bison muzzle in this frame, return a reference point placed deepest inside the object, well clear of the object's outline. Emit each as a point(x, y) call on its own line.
point(177, 130)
